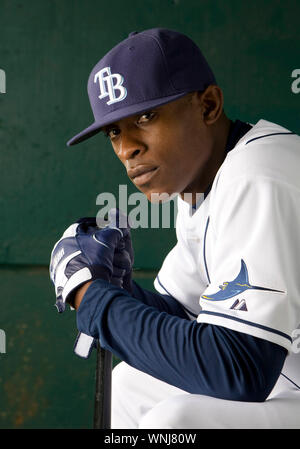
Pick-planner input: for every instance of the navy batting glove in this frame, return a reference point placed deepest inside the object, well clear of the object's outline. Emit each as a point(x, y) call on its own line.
point(84, 253)
point(124, 256)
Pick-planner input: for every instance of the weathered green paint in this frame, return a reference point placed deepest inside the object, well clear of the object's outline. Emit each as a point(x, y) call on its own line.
point(43, 384)
point(47, 49)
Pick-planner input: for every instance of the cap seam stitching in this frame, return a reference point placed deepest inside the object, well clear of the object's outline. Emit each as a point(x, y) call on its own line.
point(164, 59)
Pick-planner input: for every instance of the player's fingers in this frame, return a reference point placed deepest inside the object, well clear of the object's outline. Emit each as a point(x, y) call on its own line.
point(117, 277)
point(118, 219)
point(110, 237)
point(122, 260)
point(118, 273)
point(86, 225)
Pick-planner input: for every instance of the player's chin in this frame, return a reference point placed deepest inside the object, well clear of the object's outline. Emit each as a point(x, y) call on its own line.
point(157, 191)
point(158, 196)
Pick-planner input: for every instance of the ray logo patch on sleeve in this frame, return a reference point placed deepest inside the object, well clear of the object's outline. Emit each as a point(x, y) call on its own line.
point(241, 283)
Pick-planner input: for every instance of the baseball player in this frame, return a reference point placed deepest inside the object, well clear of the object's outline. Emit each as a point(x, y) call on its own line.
point(212, 347)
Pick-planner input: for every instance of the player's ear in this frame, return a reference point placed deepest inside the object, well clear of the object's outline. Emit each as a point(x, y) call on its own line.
point(212, 102)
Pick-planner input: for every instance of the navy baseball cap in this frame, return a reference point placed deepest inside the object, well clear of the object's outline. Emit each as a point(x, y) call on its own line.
point(146, 70)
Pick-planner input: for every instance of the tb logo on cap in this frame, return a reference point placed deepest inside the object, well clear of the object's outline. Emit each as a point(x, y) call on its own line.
point(107, 86)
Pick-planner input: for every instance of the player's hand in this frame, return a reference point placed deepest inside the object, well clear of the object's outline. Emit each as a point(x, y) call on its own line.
point(124, 255)
point(85, 253)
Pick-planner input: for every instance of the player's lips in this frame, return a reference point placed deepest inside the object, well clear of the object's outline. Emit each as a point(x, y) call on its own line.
point(142, 173)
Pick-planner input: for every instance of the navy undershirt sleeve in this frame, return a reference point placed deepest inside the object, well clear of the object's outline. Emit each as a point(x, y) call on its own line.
point(196, 357)
point(163, 303)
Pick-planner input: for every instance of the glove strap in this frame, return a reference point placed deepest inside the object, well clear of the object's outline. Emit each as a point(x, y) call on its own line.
point(84, 345)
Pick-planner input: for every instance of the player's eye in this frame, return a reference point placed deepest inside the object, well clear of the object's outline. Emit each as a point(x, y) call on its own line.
point(146, 117)
point(111, 132)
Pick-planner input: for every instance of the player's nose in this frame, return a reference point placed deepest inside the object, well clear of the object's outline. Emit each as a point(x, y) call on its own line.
point(129, 147)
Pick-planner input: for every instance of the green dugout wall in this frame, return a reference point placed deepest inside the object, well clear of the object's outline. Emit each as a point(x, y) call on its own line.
point(47, 49)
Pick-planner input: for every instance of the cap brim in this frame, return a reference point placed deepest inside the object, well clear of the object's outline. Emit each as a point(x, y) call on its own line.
point(114, 116)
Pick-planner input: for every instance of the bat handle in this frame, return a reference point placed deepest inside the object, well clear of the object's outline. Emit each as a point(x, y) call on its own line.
point(102, 408)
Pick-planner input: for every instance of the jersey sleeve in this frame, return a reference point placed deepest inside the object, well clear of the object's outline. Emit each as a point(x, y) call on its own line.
point(252, 255)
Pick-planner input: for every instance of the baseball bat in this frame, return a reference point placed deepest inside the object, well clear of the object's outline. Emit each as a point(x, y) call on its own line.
point(102, 406)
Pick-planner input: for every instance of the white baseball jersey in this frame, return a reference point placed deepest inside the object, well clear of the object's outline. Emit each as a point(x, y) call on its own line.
point(236, 262)
point(235, 265)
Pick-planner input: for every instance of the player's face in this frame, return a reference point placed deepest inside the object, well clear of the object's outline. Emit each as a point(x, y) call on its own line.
point(168, 149)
